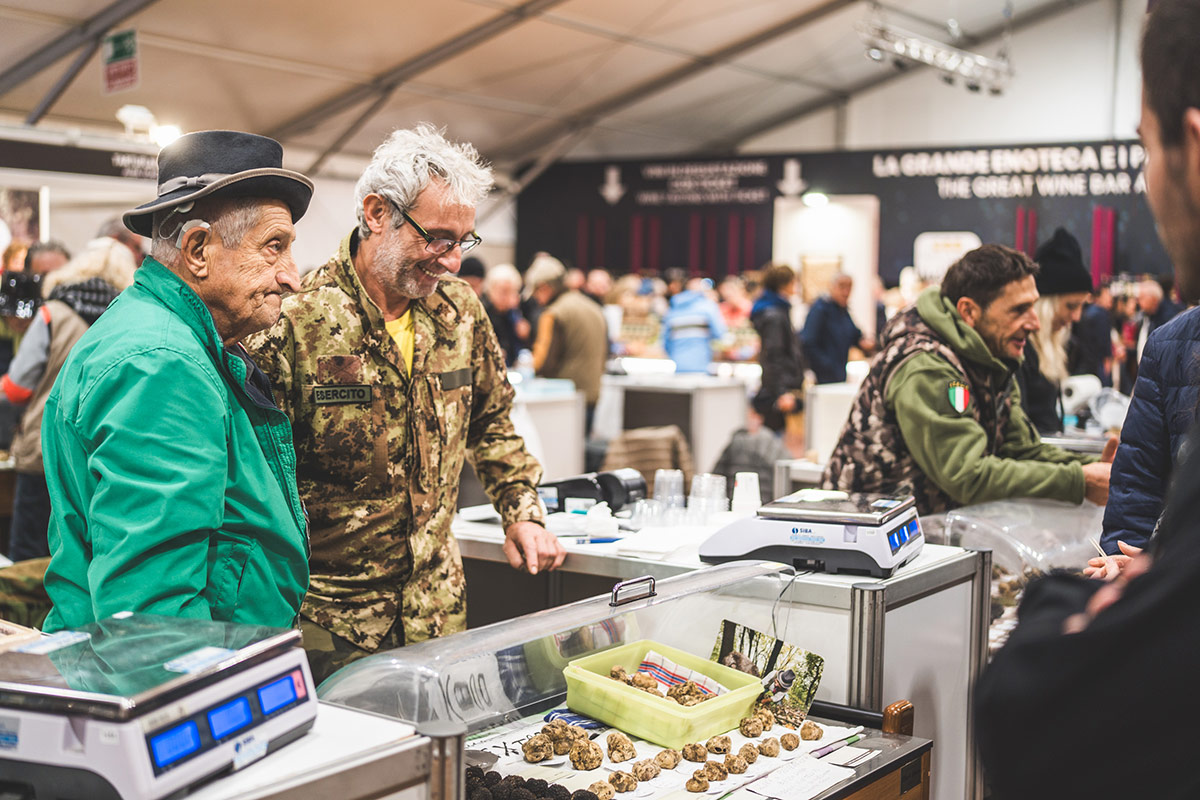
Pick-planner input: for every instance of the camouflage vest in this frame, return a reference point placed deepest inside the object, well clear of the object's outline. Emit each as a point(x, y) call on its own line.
point(871, 455)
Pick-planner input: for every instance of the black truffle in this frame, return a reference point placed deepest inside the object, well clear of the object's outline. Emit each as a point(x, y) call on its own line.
point(556, 791)
point(521, 793)
point(584, 794)
point(490, 779)
point(475, 772)
point(502, 791)
point(480, 794)
point(536, 785)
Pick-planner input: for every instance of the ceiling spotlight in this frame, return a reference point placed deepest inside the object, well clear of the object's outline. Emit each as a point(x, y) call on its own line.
point(814, 199)
point(976, 71)
point(136, 119)
point(163, 135)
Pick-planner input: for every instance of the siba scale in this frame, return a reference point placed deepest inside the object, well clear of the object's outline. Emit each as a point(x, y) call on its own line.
point(826, 531)
point(140, 707)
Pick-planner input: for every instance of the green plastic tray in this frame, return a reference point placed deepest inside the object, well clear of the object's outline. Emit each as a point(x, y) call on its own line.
point(591, 692)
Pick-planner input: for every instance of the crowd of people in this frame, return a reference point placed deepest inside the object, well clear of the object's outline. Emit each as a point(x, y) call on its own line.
point(211, 435)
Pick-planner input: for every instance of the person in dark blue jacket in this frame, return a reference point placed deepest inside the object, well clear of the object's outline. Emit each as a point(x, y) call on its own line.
point(1162, 410)
point(829, 333)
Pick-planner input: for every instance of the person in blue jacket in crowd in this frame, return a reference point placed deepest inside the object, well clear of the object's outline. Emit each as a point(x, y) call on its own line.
point(690, 326)
point(829, 333)
point(1161, 411)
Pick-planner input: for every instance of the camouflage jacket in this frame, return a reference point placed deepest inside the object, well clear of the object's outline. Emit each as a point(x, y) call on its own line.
point(904, 429)
point(380, 450)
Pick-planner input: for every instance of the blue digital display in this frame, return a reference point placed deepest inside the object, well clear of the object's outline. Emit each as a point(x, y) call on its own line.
point(229, 718)
point(174, 744)
point(276, 695)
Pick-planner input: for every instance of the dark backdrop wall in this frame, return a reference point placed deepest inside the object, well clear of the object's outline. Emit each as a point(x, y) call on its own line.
point(715, 216)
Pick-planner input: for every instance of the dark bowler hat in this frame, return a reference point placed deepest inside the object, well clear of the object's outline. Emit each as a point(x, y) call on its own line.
point(224, 164)
point(1061, 266)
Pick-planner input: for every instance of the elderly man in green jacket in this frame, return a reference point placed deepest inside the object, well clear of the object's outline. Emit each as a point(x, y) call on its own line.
point(940, 410)
point(170, 469)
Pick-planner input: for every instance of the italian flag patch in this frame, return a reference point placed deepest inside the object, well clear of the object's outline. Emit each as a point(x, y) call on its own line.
point(960, 395)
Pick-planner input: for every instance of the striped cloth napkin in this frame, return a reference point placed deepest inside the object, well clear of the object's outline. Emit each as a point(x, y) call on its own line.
point(669, 674)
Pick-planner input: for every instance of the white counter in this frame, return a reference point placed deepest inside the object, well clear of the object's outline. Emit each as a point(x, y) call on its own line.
point(707, 409)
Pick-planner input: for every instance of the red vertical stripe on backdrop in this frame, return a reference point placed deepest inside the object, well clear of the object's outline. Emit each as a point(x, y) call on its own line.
point(581, 241)
point(732, 245)
point(710, 244)
point(636, 249)
point(655, 244)
point(598, 245)
point(1031, 240)
point(1108, 249)
point(694, 235)
point(748, 259)
point(1097, 245)
point(1019, 239)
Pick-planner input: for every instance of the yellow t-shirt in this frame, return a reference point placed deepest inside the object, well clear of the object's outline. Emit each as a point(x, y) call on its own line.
point(401, 330)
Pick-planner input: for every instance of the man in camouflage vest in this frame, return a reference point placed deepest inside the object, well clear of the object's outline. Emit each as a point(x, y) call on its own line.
point(390, 370)
point(939, 412)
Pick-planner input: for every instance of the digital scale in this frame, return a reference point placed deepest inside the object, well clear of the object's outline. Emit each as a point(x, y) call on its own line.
point(141, 707)
point(826, 531)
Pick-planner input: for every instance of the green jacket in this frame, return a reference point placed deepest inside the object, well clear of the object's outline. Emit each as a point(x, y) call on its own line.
point(904, 428)
point(173, 490)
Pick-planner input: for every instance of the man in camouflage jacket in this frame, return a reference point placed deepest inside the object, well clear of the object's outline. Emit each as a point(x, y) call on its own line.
point(939, 414)
point(392, 375)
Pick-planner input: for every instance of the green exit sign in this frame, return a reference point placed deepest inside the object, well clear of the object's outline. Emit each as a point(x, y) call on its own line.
point(120, 46)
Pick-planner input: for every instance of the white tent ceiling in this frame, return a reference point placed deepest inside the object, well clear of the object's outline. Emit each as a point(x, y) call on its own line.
point(521, 80)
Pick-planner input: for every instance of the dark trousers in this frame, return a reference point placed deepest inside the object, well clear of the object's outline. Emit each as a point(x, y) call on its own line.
point(30, 519)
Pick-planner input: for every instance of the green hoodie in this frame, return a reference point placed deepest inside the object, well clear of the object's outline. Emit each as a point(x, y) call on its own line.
point(950, 447)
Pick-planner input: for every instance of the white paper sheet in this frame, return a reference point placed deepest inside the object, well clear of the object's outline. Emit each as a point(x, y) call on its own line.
point(800, 779)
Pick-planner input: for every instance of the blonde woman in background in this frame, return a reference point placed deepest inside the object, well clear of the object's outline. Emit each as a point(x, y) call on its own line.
point(76, 295)
point(1063, 284)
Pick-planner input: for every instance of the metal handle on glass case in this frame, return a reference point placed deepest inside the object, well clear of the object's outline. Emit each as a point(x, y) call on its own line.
point(645, 583)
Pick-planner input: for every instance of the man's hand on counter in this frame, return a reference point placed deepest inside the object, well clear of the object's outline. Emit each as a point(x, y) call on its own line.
point(530, 547)
point(1095, 476)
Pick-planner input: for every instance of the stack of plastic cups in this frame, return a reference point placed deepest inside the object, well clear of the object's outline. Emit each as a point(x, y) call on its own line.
point(668, 492)
point(746, 496)
point(707, 498)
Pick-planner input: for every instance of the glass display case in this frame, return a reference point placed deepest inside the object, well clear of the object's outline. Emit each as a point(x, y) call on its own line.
point(919, 635)
point(509, 670)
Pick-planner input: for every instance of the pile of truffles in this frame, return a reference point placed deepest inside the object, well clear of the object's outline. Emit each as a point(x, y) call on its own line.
point(686, 694)
point(638, 680)
point(556, 739)
point(491, 786)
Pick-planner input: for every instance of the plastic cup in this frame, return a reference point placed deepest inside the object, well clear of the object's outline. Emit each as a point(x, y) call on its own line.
point(746, 494)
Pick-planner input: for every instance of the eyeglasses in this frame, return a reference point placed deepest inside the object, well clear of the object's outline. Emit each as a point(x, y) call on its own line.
point(440, 246)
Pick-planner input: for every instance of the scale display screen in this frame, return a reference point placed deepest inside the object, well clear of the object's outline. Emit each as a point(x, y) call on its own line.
point(902, 535)
point(276, 695)
point(174, 744)
point(229, 718)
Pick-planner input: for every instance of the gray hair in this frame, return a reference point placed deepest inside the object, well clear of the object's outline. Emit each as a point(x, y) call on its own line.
point(103, 258)
point(502, 273)
point(409, 159)
point(229, 218)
